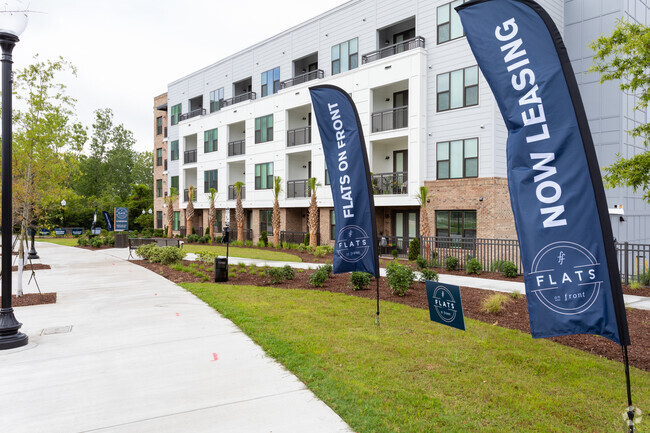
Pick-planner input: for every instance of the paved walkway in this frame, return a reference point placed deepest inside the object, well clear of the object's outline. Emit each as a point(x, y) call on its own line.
point(125, 350)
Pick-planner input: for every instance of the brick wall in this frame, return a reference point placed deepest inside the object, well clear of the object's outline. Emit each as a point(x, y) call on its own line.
point(488, 196)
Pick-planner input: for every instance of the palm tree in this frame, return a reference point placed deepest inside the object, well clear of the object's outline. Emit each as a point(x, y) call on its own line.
point(312, 221)
point(277, 187)
point(212, 215)
point(239, 211)
point(189, 212)
point(169, 200)
point(424, 219)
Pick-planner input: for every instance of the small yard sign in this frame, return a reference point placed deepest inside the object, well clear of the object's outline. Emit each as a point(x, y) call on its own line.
point(445, 305)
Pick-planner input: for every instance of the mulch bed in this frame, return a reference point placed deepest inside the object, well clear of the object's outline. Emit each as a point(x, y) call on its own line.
point(33, 266)
point(513, 316)
point(33, 299)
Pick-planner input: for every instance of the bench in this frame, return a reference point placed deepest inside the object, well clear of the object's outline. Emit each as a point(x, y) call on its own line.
point(134, 243)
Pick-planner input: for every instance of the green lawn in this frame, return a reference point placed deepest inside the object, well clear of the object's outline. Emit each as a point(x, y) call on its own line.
point(246, 253)
point(68, 242)
point(403, 377)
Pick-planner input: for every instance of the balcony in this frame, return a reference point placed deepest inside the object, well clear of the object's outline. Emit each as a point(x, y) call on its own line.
point(189, 156)
point(186, 195)
point(303, 78)
point(298, 136)
point(237, 147)
point(391, 50)
point(232, 194)
point(390, 183)
point(237, 99)
point(193, 113)
point(394, 118)
point(298, 188)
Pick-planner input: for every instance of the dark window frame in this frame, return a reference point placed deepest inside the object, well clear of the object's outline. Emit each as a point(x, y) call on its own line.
point(448, 160)
point(176, 112)
point(268, 217)
point(259, 178)
point(210, 180)
point(216, 96)
point(448, 23)
point(270, 77)
point(465, 90)
point(466, 233)
point(173, 147)
point(159, 187)
point(352, 57)
point(211, 144)
point(264, 132)
point(159, 157)
point(332, 225)
point(159, 125)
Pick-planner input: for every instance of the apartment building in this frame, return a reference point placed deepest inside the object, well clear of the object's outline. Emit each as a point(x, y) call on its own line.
point(160, 161)
point(427, 114)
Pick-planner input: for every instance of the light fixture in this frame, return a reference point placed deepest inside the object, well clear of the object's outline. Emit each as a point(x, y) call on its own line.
point(13, 20)
point(621, 219)
point(304, 166)
point(480, 199)
point(387, 157)
point(304, 118)
point(428, 200)
point(387, 99)
point(143, 212)
point(387, 42)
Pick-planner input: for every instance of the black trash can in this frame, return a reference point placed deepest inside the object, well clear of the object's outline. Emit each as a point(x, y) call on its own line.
point(220, 269)
point(121, 240)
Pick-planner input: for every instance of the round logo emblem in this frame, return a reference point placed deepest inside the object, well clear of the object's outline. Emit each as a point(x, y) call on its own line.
point(565, 278)
point(353, 243)
point(122, 212)
point(444, 303)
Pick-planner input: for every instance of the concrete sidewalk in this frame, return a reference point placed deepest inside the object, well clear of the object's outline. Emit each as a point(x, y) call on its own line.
point(125, 350)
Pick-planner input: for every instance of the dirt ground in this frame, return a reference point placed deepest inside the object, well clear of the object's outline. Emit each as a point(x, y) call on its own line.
point(514, 315)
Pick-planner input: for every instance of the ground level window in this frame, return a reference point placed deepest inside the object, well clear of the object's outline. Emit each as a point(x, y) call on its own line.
point(456, 223)
point(177, 221)
point(266, 221)
point(332, 226)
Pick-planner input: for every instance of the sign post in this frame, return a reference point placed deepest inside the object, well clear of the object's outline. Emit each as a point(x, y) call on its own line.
point(121, 219)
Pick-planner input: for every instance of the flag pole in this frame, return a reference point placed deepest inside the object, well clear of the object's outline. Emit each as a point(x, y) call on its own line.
point(630, 407)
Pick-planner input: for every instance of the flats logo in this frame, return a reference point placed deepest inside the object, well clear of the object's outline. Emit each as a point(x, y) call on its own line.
point(564, 277)
point(352, 243)
point(445, 304)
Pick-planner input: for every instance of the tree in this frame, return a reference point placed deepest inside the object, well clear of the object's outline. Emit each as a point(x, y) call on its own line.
point(169, 200)
point(143, 168)
point(239, 211)
point(189, 211)
point(312, 220)
point(424, 218)
point(277, 187)
point(212, 215)
point(625, 56)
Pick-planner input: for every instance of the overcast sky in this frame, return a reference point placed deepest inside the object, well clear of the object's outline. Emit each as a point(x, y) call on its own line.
point(127, 51)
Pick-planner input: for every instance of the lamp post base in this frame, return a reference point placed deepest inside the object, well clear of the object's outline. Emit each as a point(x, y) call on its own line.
point(10, 338)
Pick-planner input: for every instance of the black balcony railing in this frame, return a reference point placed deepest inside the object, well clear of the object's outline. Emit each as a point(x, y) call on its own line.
point(303, 78)
point(299, 136)
point(395, 118)
point(237, 99)
point(193, 113)
point(232, 194)
point(237, 147)
point(186, 195)
point(189, 156)
point(298, 188)
point(391, 50)
point(390, 183)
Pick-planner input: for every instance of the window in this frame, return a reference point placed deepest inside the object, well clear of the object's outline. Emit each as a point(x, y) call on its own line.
point(159, 223)
point(159, 159)
point(458, 158)
point(210, 140)
point(210, 181)
point(264, 176)
point(456, 223)
point(327, 177)
point(215, 97)
point(449, 25)
point(159, 125)
point(176, 113)
point(270, 79)
point(458, 89)
point(174, 183)
point(345, 56)
point(218, 221)
point(266, 221)
point(177, 220)
point(332, 225)
point(264, 129)
point(174, 150)
point(159, 188)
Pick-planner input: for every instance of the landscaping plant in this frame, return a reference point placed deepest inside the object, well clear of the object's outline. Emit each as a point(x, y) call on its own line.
point(451, 263)
point(414, 249)
point(473, 266)
point(509, 269)
point(360, 280)
point(399, 277)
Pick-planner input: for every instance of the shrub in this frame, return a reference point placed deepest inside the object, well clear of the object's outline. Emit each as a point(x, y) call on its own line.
point(83, 241)
point(158, 233)
point(421, 262)
point(306, 241)
point(321, 250)
point(294, 246)
point(414, 249)
point(249, 243)
point(473, 266)
point(237, 243)
point(326, 268)
point(360, 280)
point(206, 256)
point(218, 239)
point(451, 263)
point(302, 247)
point(394, 253)
point(497, 266)
point(318, 278)
point(260, 244)
point(109, 240)
point(207, 231)
point(264, 238)
point(634, 285)
point(310, 249)
point(494, 303)
point(147, 233)
point(400, 278)
point(429, 274)
point(288, 272)
point(285, 245)
point(167, 255)
point(193, 238)
point(515, 295)
point(275, 275)
point(193, 231)
point(145, 251)
point(277, 247)
point(204, 239)
point(509, 269)
point(97, 241)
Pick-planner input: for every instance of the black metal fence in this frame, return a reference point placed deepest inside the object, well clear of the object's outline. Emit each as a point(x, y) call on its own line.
point(232, 192)
point(633, 261)
point(193, 113)
point(237, 147)
point(296, 237)
point(298, 188)
point(248, 234)
point(390, 183)
point(237, 99)
point(394, 118)
point(298, 136)
point(486, 251)
point(312, 75)
point(189, 156)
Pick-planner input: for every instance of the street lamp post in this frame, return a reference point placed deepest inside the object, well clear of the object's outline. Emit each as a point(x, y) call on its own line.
point(63, 203)
point(13, 20)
